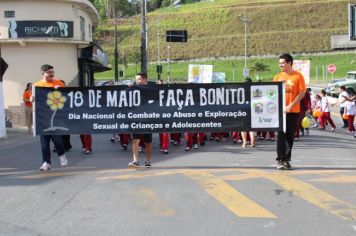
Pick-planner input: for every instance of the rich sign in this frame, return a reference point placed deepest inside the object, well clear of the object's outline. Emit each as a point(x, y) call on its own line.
point(42, 29)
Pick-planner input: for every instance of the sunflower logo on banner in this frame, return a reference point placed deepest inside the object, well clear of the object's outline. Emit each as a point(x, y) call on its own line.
point(55, 101)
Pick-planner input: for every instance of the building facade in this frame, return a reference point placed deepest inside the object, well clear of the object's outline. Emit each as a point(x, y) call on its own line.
point(56, 32)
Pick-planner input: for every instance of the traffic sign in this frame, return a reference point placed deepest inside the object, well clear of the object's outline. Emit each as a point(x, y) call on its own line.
point(245, 72)
point(177, 36)
point(331, 68)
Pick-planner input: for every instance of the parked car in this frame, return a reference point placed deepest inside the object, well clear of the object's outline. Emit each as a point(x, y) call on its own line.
point(333, 86)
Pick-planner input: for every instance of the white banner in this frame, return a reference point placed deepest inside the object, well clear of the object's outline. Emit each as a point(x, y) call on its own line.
point(303, 66)
point(200, 74)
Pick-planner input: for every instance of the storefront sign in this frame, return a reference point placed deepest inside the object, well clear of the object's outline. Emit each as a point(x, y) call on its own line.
point(42, 29)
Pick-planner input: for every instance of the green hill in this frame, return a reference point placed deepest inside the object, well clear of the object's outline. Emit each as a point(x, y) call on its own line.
point(215, 30)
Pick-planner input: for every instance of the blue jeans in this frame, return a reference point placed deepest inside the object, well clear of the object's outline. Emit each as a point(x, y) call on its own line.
point(46, 148)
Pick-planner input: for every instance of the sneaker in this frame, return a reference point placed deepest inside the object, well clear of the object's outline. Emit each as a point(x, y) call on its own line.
point(161, 150)
point(280, 165)
point(165, 151)
point(239, 141)
point(140, 149)
point(296, 139)
point(134, 164)
point(45, 166)
point(306, 132)
point(84, 150)
point(332, 129)
point(64, 161)
point(234, 141)
point(272, 139)
point(287, 165)
point(87, 152)
point(315, 126)
point(147, 164)
point(187, 149)
point(124, 147)
point(196, 146)
point(175, 143)
point(112, 140)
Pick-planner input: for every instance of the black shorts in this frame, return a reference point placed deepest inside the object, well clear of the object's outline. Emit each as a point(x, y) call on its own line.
point(147, 138)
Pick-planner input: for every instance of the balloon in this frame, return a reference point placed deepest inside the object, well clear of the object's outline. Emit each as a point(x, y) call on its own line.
point(305, 122)
point(316, 114)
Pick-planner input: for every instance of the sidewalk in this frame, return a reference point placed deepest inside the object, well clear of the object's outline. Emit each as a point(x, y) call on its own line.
point(16, 134)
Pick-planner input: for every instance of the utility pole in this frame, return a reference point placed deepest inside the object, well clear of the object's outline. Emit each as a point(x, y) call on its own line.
point(143, 37)
point(168, 63)
point(116, 54)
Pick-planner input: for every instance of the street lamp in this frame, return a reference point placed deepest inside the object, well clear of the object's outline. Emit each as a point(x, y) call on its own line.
point(245, 20)
point(143, 36)
point(116, 54)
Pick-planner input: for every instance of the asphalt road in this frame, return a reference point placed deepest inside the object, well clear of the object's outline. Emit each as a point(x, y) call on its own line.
point(219, 189)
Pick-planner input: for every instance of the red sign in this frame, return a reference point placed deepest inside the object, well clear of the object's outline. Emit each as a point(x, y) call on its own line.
point(331, 68)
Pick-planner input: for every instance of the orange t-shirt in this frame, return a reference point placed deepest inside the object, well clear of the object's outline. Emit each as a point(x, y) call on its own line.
point(26, 97)
point(294, 84)
point(51, 83)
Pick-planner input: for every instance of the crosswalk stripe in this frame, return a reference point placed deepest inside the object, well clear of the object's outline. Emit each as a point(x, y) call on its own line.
point(229, 197)
point(337, 179)
point(153, 203)
point(312, 194)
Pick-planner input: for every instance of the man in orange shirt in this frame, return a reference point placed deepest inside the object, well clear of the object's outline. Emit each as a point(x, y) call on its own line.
point(49, 81)
point(27, 94)
point(294, 93)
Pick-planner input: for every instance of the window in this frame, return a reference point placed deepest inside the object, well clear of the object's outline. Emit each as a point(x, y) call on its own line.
point(82, 28)
point(90, 32)
point(9, 14)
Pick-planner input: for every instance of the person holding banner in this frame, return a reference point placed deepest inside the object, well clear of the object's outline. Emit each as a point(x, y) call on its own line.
point(294, 92)
point(141, 79)
point(49, 81)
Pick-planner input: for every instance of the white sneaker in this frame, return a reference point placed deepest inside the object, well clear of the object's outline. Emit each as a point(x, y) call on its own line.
point(196, 146)
point(64, 161)
point(45, 166)
point(332, 129)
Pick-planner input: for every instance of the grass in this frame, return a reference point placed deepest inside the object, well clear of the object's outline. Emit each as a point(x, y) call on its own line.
point(179, 70)
point(215, 30)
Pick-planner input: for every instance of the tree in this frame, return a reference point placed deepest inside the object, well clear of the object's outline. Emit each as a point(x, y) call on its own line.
point(257, 68)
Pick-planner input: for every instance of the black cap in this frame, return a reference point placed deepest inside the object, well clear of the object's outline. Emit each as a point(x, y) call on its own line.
point(46, 67)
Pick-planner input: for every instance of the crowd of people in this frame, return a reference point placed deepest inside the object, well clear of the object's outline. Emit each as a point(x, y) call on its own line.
point(301, 105)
